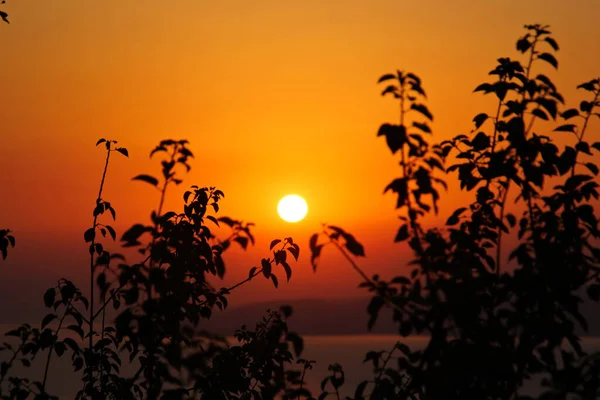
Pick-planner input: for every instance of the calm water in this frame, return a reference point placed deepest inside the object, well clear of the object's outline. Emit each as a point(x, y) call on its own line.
point(346, 350)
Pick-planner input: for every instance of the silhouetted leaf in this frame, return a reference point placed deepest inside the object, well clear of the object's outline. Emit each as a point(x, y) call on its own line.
point(549, 58)
point(540, 114)
point(395, 136)
point(552, 43)
point(592, 167)
point(111, 232)
point(523, 45)
point(402, 233)
point(422, 108)
point(274, 243)
point(288, 270)
point(480, 119)
point(454, 218)
point(100, 141)
point(570, 113)
point(89, 235)
point(586, 106)
point(294, 251)
point(47, 319)
point(146, 178)
point(213, 219)
point(49, 297)
point(484, 87)
point(266, 267)
point(422, 126)
point(123, 151)
point(565, 128)
point(275, 281)
point(583, 147)
point(480, 142)
point(242, 241)
point(4, 17)
point(549, 105)
point(353, 246)
point(227, 221)
point(512, 221)
point(386, 77)
point(76, 329)
point(251, 272)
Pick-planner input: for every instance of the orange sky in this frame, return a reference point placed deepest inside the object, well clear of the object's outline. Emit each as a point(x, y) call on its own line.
point(276, 97)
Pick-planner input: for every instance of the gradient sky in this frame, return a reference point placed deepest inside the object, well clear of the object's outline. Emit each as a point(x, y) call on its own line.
point(275, 97)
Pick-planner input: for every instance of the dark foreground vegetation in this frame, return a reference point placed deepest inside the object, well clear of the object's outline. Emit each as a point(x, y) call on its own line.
point(492, 324)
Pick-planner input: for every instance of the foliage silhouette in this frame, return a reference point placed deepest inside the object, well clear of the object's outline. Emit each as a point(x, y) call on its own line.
point(491, 326)
point(3, 14)
point(160, 303)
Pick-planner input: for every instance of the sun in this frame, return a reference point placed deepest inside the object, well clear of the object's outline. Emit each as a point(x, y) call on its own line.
point(292, 208)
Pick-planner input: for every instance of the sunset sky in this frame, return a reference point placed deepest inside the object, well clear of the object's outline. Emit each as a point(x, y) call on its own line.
point(275, 97)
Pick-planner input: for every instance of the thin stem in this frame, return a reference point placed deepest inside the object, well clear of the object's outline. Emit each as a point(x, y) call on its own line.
point(102, 383)
point(92, 246)
point(11, 361)
point(52, 347)
point(583, 129)
point(499, 245)
point(385, 362)
point(353, 264)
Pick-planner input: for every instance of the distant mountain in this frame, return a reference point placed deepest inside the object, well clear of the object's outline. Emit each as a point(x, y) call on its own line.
point(343, 316)
point(309, 317)
point(338, 317)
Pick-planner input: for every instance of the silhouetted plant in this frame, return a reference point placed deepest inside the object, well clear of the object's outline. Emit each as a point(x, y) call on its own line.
point(490, 327)
point(160, 302)
point(3, 14)
point(6, 240)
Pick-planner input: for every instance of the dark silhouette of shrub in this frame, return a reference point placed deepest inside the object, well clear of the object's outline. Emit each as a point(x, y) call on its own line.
point(160, 303)
point(491, 325)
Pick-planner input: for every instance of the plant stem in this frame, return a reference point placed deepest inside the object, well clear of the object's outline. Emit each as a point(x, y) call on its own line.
point(353, 264)
point(499, 246)
point(52, 346)
point(583, 129)
point(92, 246)
point(11, 361)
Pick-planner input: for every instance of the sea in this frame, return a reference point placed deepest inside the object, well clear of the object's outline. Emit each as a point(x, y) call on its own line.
point(347, 350)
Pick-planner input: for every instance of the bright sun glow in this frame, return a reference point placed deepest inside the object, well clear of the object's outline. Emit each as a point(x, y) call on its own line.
point(292, 208)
